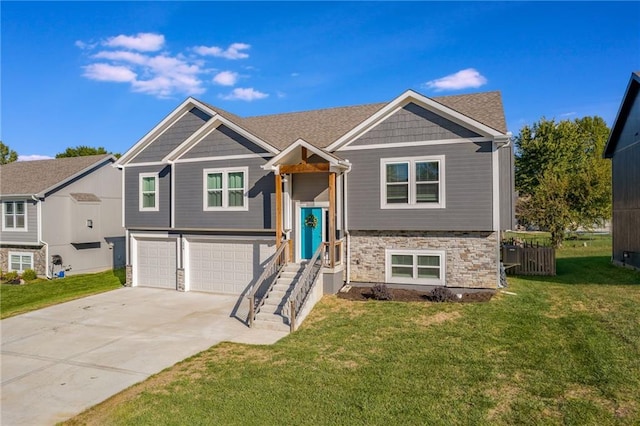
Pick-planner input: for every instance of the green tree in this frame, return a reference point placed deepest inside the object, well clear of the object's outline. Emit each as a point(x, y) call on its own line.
point(7, 155)
point(81, 151)
point(562, 180)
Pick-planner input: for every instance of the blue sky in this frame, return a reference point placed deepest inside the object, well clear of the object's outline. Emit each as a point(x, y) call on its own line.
point(105, 73)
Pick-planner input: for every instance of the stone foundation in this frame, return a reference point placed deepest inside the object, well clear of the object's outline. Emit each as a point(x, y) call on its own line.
point(128, 276)
point(39, 257)
point(180, 279)
point(472, 258)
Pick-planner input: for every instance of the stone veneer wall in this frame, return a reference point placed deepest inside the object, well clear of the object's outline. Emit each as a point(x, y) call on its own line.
point(39, 257)
point(471, 257)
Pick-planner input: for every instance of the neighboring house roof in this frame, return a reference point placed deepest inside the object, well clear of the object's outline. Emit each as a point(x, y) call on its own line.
point(42, 176)
point(625, 107)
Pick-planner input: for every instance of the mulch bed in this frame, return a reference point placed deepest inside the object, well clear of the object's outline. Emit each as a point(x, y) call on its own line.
point(401, 295)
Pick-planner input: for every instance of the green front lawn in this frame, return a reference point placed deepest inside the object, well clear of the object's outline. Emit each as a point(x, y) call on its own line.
point(18, 299)
point(562, 350)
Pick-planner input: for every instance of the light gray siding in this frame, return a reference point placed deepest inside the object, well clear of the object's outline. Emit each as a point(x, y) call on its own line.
point(468, 186)
point(507, 188)
point(31, 234)
point(190, 192)
point(414, 123)
point(133, 216)
point(172, 137)
point(223, 141)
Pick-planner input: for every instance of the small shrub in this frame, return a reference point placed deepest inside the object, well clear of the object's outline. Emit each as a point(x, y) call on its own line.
point(441, 294)
point(29, 275)
point(11, 278)
point(381, 292)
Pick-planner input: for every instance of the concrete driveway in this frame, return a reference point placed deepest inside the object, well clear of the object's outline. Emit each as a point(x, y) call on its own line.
point(61, 360)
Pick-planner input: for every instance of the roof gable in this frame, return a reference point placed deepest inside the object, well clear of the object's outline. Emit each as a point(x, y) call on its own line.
point(43, 176)
point(629, 100)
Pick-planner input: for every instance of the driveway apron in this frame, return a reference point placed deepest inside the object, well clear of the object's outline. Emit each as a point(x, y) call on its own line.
point(61, 360)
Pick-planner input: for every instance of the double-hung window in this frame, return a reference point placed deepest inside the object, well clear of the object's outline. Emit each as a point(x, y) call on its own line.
point(14, 216)
point(415, 267)
point(414, 183)
point(149, 192)
point(225, 189)
point(20, 262)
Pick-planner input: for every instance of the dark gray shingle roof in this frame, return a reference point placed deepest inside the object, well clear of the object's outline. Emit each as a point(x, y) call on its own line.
point(34, 177)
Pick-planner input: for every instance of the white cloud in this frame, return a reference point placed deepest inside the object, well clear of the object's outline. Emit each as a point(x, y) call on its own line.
point(33, 157)
point(143, 42)
point(135, 60)
point(461, 80)
point(226, 78)
point(568, 114)
point(244, 94)
point(232, 52)
point(295, 74)
point(107, 72)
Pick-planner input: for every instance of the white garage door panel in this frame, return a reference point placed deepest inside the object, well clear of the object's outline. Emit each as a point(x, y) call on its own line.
point(224, 267)
point(156, 263)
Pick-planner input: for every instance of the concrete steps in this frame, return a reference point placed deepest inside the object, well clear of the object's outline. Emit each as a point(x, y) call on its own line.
point(270, 316)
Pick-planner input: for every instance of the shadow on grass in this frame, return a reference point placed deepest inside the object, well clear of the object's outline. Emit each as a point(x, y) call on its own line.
point(587, 270)
point(121, 274)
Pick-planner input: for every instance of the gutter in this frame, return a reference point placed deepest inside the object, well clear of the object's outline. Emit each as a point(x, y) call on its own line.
point(47, 272)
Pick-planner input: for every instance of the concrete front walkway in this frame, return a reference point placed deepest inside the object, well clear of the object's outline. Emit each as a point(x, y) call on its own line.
point(61, 360)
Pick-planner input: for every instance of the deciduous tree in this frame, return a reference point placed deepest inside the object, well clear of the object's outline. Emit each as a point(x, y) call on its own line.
point(562, 180)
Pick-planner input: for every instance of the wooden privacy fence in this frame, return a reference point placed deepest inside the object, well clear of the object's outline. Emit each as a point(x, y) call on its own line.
point(529, 259)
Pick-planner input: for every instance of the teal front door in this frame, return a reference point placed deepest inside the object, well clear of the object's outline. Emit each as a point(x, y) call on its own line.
point(311, 231)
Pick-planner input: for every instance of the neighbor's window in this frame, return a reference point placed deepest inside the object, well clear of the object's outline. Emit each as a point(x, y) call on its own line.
point(415, 267)
point(14, 216)
point(225, 189)
point(149, 192)
point(20, 262)
point(412, 182)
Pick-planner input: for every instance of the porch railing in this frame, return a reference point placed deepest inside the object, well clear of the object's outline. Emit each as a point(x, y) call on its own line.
point(337, 253)
point(258, 293)
point(303, 287)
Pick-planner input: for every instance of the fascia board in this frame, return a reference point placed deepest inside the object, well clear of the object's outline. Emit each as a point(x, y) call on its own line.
point(408, 97)
point(332, 159)
point(52, 188)
point(185, 106)
point(633, 89)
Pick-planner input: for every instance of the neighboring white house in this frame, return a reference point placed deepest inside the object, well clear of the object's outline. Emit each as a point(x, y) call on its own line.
point(66, 208)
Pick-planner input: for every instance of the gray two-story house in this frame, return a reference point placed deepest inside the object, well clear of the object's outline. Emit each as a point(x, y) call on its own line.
point(412, 192)
point(61, 215)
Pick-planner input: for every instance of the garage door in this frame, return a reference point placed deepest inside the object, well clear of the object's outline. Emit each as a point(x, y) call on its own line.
point(225, 267)
point(156, 263)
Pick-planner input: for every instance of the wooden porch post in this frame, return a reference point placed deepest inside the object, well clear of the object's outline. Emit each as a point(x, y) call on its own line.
point(332, 219)
point(278, 210)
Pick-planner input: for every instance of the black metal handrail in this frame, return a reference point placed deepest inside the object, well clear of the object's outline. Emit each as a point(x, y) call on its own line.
point(258, 293)
point(303, 287)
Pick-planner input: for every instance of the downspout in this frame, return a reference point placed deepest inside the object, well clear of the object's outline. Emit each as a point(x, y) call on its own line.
point(40, 240)
point(345, 212)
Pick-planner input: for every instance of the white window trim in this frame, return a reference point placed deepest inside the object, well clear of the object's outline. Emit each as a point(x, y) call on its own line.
point(441, 204)
point(225, 189)
point(425, 281)
point(20, 253)
point(157, 193)
point(15, 228)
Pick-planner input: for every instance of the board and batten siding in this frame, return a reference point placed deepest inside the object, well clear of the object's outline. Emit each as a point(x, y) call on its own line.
point(507, 188)
point(189, 187)
point(468, 190)
point(221, 142)
point(146, 219)
point(626, 202)
point(30, 236)
point(413, 123)
point(172, 137)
